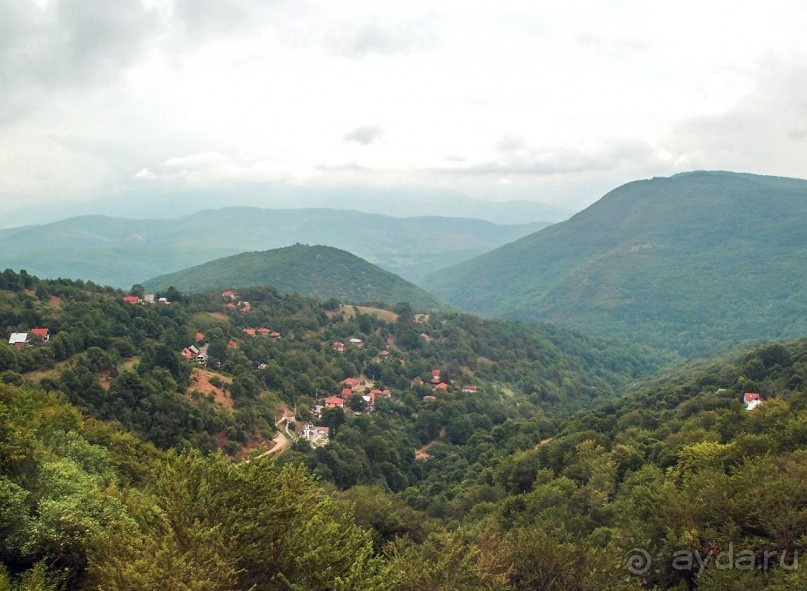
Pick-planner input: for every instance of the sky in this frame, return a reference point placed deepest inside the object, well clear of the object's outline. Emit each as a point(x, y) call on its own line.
point(556, 102)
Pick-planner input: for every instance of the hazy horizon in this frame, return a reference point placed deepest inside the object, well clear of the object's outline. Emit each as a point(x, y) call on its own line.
point(551, 103)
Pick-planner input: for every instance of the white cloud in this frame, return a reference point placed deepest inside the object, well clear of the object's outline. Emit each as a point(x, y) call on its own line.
point(563, 101)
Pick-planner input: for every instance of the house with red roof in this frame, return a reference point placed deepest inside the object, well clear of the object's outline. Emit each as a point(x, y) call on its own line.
point(352, 383)
point(429, 398)
point(337, 346)
point(275, 334)
point(42, 333)
point(232, 345)
point(187, 353)
point(232, 306)
point(436, 376)
point(469, 389)
point(263, 331)
point(249, 332)
point(200, 336)
point(131, 299)
point(346, 393)
point(751, 400)
point(229, 294)
point(443, 386)
point(334, 402)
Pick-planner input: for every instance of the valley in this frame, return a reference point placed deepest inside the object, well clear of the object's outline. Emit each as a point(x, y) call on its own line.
point(305, 387)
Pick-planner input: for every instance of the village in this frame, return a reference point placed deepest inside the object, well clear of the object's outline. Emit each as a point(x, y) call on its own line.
point(358, 395)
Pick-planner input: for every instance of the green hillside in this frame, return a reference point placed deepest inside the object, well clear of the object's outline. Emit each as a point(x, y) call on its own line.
point(674, 486)
point(693, 263)
point(121, 252)
point(314, 271)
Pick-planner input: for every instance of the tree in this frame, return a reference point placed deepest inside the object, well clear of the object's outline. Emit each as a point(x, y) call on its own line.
point(333, 418)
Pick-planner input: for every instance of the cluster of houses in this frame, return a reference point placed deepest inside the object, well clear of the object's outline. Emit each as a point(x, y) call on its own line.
point(354, 386)
point(199, 354)
point(440, 384)
point(23, 339)
point(148, 298)
point(233, 303)
point(340, 347)
point(263, 331)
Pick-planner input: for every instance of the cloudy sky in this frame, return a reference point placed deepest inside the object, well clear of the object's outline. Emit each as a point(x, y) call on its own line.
point(550, 101)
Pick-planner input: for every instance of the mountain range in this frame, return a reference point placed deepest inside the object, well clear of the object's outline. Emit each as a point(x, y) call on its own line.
point(693, 262)
point(397, 202)
point(121, 252)
point(314, 271)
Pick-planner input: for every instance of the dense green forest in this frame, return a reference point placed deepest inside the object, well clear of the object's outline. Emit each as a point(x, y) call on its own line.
point(558, 473)
point(693, 263)
point(315, 271)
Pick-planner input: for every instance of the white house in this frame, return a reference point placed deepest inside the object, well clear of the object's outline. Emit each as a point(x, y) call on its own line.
point(18, 339)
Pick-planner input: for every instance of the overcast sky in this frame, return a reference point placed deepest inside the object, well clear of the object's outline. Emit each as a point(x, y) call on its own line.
point(549, 101)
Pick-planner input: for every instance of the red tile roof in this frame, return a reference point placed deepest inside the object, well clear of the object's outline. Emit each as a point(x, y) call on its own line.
point(352, 382)
point(41, 332)
point(334, 401)
point(232, 345)
point(441, 386)
point(200, 336)
point(751, 396)
point(131, 299)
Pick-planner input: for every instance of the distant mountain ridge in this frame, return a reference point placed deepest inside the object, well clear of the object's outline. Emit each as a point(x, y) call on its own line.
point(693, 262)
point(120, 252)
point(315, 271)
point(396, 202)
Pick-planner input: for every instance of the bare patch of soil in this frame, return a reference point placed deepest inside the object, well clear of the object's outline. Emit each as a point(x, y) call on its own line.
point(200, 380)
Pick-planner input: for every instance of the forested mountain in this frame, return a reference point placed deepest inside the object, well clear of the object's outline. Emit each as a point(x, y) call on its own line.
point(692, 263)
point(120, 252)
point(486, 483)
point(315, 271)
